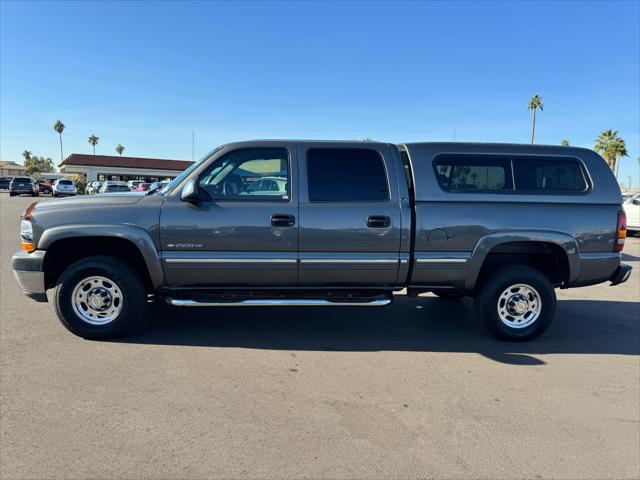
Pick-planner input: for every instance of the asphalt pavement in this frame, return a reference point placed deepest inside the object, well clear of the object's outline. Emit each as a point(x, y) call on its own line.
point(418, 389)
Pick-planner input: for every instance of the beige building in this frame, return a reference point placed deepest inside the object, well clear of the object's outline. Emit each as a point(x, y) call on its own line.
point(11, 169)
point(108, 167)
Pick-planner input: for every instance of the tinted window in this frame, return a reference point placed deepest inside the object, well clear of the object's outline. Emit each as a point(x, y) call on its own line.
point(248, 174)
point(346, 175)
point(21, 179)
point(64, 182)
point(461, 173)
point(540, 175)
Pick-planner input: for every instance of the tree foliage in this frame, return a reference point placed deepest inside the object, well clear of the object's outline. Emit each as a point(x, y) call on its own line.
point(93, 141)
point(564, 142)
point(80, 182)
point(35, 164)
point(611, 147)
point(535, 103)
point(119, 149)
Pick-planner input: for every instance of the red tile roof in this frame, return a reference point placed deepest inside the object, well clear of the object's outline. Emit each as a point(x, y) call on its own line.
point(124, 162)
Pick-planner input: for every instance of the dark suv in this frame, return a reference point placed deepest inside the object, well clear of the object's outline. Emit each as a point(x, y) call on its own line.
point(4, 183)
point(20, 185)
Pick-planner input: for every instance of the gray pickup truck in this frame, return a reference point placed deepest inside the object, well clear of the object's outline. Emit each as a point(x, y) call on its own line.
point(310, 223)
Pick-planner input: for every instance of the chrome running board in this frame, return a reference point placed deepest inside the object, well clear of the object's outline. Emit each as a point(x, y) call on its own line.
point(380, 302)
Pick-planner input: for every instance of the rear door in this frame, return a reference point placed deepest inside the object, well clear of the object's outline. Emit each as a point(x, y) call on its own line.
point(350, 216)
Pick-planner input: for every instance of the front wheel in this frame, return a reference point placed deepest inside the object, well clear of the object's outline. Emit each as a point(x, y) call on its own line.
point(99, 297)
point(516, 303)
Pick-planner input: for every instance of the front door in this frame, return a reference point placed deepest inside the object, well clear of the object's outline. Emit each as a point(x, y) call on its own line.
point(245, 232)
point(350, 216)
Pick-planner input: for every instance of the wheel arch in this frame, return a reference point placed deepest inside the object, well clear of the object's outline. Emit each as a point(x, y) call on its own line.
point(66, 244)
point(561, 244)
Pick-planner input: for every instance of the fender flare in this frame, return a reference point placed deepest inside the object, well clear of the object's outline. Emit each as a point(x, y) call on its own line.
point(136, 235)
point(489, 241)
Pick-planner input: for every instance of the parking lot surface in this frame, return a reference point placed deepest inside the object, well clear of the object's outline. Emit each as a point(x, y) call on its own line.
point(415, 390)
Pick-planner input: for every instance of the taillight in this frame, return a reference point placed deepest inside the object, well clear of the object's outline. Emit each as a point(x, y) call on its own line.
point(621, 231)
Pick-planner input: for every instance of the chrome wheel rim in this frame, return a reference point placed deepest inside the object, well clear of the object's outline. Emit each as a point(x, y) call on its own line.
point(519, 306)
point(97, 300)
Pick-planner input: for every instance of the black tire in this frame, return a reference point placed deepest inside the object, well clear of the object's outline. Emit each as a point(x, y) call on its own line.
point(131, 286)
point(55, 194)
point(11, 194)
point(448, 294)
point(487, 300)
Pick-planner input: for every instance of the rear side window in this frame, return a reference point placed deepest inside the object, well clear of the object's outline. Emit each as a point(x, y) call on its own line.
point(548, 175)
point(473, 174)
point(509, 174)
point(346, 175)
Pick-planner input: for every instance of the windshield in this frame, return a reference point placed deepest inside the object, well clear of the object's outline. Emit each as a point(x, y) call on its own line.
point(176, 181)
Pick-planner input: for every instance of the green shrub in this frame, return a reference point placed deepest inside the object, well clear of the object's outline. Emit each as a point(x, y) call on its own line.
point(80, 182)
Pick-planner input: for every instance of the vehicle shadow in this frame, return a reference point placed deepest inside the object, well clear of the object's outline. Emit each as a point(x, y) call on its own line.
point(629, 258)
point(424, 325)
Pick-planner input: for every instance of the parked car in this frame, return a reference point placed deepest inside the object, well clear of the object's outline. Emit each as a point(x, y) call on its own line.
point(63, 187)
point(112, 186)
point(354, 222)
point(93, 187)
point(4, 182)
point(156, 186)
point(632, 209)
point(133, 184)
point(21, 185)
point(267, 186)
point(45, 188)
point(142, 187)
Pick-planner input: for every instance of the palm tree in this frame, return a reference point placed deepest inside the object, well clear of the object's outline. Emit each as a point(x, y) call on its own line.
point(119, 149)
point(27, 155)
point(535, 103)
point(564, 142)
point(93, 140)
point(611, 147)
point(59, 127)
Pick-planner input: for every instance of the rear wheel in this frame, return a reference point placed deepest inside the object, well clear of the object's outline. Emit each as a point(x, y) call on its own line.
point(516, 303)
point(99, 297)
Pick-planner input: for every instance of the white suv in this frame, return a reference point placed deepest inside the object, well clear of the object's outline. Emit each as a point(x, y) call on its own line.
point(63, 187)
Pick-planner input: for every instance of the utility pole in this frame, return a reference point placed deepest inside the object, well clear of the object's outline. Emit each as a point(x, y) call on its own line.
point(629, 177)
point(193, 145)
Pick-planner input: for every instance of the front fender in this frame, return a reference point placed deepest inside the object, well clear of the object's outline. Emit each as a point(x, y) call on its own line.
point(136, 235)
point(495, 238)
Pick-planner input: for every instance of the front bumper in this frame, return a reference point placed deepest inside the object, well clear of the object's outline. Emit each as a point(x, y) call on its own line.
point(621, 274)
point(27, 268)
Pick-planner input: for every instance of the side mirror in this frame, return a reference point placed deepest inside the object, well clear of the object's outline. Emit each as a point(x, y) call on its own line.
point(190, 191)
point(636, 201)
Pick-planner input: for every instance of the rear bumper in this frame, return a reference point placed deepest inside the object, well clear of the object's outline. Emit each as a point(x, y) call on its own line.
point(27, 268)
point(621, 274)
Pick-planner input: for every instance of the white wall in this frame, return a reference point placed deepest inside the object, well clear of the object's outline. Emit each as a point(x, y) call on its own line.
point(92, 172)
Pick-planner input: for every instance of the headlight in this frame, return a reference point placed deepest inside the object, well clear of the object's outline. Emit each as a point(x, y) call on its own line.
point(26, 231)
point(26, 235)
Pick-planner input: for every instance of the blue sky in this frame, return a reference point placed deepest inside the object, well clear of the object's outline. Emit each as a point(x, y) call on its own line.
point(145, 74)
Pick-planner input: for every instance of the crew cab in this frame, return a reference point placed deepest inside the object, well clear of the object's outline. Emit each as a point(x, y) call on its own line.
point(310, 223)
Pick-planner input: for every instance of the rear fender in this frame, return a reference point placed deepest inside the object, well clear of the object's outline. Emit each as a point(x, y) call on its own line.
point(490, 241)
